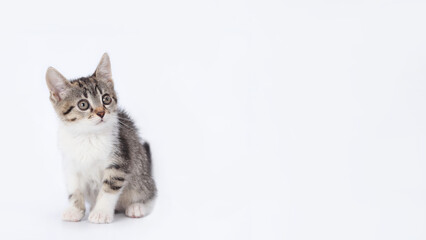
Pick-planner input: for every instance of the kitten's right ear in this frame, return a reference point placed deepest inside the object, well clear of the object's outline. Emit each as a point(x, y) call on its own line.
point(58, 85)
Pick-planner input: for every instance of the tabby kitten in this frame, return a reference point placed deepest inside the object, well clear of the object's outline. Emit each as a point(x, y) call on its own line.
point(104, 160)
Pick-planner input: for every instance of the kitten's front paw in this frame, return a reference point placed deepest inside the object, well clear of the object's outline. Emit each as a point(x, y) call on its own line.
point(101, 216)
point(73, 214)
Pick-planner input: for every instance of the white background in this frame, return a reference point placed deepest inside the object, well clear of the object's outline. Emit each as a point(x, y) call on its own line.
point(267, 119)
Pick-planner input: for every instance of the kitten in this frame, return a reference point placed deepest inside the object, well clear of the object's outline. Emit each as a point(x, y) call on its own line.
point(104, 160)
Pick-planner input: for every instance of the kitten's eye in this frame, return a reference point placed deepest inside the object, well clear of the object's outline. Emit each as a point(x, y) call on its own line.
point(106, 99)
point(83, 104)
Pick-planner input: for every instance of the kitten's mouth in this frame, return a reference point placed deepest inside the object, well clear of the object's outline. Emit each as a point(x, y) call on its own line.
point(101, 121)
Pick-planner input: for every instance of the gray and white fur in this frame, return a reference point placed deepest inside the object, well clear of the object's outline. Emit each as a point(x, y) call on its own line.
point(105, 162)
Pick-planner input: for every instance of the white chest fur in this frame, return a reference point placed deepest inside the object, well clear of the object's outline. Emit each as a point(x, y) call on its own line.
point(85, 156)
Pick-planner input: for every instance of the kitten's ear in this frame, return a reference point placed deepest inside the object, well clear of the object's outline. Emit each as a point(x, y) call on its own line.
point(57, 84)
point(103, 71)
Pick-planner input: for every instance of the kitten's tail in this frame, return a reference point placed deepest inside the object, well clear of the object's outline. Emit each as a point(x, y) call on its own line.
point(148, 156)
point(148, 151)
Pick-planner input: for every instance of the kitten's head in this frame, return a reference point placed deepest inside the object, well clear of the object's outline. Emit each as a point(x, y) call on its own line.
point(89, 102)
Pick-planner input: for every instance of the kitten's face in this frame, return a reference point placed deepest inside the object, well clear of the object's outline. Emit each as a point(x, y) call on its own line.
point(88, 102)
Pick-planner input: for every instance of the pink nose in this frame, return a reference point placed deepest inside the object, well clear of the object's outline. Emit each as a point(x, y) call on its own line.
point(101, 114)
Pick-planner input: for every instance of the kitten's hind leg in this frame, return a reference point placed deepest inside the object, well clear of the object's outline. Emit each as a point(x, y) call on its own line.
point(139, 209)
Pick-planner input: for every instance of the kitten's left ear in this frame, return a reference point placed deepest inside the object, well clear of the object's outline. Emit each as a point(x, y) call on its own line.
point(103, 71)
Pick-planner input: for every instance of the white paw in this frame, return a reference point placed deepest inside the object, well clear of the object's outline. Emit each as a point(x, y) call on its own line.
point(101, 216)
point(135, 210)
point(72, 214)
